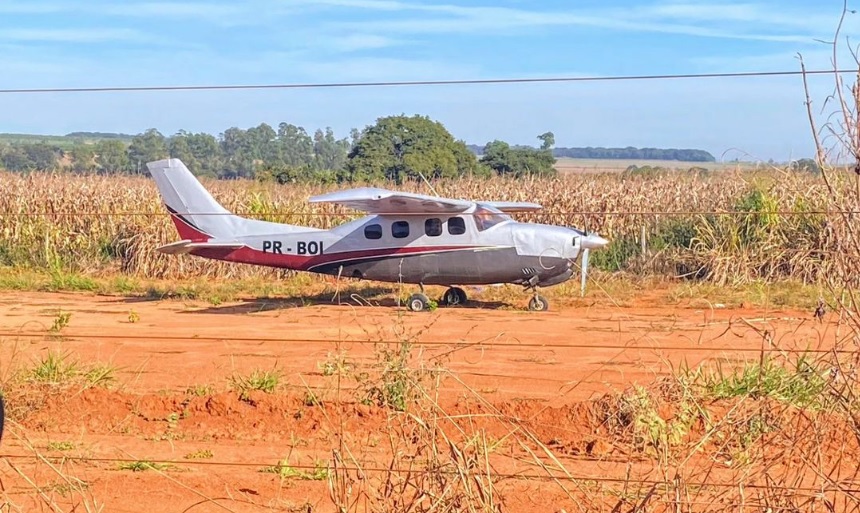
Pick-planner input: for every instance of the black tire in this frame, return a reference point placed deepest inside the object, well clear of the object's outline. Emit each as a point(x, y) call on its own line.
point(538, 304)
point(418, 302)
point(454, 296)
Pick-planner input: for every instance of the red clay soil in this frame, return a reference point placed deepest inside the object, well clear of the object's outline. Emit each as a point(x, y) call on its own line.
point(525, 382)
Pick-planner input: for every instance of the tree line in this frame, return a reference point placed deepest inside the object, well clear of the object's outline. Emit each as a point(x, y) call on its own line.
point(394, 148)
point(629, 153)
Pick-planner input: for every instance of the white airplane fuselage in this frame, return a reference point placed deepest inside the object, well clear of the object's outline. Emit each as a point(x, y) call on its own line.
point(409, 238)
point(430, 249)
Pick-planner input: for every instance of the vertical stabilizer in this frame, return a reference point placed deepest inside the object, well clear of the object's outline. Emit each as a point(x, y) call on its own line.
point(195, 212)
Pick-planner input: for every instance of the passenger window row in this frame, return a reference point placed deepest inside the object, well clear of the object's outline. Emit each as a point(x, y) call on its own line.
point(432, 228)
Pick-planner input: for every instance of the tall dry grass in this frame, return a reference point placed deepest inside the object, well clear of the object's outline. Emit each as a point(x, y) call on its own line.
point(99, 224)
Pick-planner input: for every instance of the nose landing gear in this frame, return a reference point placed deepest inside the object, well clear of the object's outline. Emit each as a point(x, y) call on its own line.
point(537, 303)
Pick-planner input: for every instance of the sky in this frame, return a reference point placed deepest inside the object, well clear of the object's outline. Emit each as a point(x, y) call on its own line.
point(98, 43)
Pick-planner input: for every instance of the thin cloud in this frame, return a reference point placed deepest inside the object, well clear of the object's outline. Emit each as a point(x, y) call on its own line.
point(173, 10)
point(222, 14)
point(356, 42)
point(93, 35)
point(727, 21)
point(34, 7)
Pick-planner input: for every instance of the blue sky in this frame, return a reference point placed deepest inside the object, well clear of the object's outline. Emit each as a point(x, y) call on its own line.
point(65, 43)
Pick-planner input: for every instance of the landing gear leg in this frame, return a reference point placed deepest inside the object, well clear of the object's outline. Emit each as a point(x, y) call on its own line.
point(418, 302)
point(537, 303)
point(454, 296)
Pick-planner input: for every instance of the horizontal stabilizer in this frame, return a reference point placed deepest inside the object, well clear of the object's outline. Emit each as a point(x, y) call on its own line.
point(186, 246)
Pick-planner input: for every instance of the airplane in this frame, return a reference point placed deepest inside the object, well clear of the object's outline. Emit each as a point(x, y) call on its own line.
point(404, 238)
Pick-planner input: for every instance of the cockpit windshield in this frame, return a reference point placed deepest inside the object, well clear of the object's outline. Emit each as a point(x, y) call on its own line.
point(486, 217)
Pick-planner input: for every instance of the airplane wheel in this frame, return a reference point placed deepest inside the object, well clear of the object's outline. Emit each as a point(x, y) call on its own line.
point(454, 296)
point(538, 304)
point(418, 302)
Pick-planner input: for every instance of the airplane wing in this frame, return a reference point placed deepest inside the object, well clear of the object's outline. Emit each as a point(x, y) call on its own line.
point(186, 246)
point(512, 206)
point(382, 201)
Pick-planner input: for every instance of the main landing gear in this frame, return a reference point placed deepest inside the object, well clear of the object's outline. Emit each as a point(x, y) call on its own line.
point(418, 302)
point(456, 296)
point(453, 296)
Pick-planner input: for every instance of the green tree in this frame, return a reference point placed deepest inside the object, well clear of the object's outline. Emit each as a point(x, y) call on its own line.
point(178, 148)
point(329, 153)
point(262, 145)
point(548, 139)
point(503, 159)
point(41, 156)
point(147, 147)
point(296, 146)
point(238, 161)
point(13, 158)
point(205, 149)
point(84, 158)
point(111, 156)
point(400, 147)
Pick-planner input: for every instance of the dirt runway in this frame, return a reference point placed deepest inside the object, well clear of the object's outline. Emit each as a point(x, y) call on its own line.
point(172, 397)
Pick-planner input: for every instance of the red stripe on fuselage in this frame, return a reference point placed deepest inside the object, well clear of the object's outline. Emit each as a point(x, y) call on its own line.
point(248, 255)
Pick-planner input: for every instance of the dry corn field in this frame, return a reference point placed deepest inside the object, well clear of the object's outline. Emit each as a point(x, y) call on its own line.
point(768, 225)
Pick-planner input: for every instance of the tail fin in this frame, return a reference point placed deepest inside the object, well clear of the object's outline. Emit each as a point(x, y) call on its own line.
point(196, 214)
point(194, 211)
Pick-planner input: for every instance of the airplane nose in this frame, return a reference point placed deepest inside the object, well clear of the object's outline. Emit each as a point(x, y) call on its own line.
point(594, 242)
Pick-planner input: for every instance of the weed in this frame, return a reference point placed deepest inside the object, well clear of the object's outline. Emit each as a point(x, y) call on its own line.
point(396, 384)
point(60, 321)
point(61, 446)
point(803, 384)
point(55, 368)
point(264, 381)
point(202, 454)
point(336, 364)
point(142, 466)
point(200, 390)
point(311, 399)
point(100, 375)
point(285, 471)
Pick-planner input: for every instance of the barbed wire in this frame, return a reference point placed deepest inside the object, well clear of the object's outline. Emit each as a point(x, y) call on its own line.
point(70, 337)
point(430, 214)
point(413, 83)
point(413, 471)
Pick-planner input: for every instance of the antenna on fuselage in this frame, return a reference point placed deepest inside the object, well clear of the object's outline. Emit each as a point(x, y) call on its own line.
point(428, 183)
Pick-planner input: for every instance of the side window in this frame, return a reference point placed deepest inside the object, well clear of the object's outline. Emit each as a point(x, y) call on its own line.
point(456, 226)
point(400, 229)
point(373, 231)
point(433, 227)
